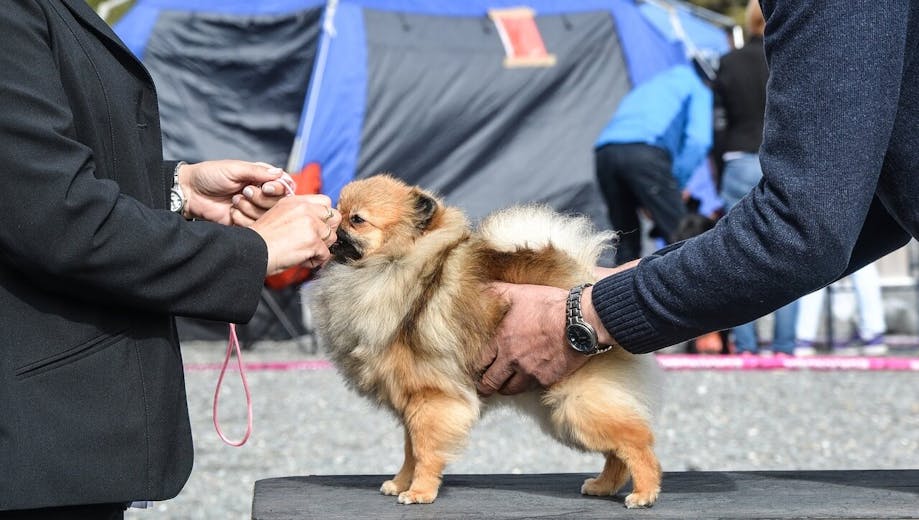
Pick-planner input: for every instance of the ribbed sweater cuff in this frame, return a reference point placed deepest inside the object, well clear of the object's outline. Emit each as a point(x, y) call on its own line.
point(614, 299)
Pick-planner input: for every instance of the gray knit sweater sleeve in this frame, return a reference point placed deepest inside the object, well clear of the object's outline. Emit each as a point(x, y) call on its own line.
point(673, 296)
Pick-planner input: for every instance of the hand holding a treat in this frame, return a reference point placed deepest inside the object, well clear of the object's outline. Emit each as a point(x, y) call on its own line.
point(295, 227)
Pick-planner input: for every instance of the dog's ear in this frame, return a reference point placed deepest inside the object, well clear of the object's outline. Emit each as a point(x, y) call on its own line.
point(425, 209)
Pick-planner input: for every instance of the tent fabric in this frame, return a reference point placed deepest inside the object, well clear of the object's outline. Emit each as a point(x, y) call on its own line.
point(700, 33)
point(212, 76)
point(413, 87)
point(232, 73)
point(443, 112)
point(636, 51)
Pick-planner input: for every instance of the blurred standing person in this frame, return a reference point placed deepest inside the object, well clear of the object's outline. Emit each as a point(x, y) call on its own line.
point(695, 223)
point(102, 244)
point(871, 324)
point(740, 99)
point(647, 152)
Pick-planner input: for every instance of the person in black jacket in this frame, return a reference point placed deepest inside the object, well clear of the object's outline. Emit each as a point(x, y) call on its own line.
point(94, 265)
point(840, 159)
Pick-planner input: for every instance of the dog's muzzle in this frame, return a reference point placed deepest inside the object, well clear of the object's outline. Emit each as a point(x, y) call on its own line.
point(345, 248)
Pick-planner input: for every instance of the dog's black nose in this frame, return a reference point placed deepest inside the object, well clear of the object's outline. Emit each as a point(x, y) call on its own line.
point(345, 248)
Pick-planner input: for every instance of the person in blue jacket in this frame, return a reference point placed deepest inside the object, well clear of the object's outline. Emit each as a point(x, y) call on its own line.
point(659, 134)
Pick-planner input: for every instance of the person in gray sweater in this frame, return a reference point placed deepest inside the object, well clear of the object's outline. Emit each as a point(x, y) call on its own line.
point(840, 189)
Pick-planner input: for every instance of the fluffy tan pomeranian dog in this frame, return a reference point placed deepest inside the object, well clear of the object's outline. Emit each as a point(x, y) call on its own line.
point(405, 314)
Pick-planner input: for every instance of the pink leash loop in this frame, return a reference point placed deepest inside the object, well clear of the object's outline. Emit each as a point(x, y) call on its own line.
point(233, 346)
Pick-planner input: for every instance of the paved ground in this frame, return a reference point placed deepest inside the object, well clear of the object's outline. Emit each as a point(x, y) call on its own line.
point(307, 422)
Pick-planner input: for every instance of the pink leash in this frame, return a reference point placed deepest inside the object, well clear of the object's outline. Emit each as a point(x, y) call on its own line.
point(233, 346)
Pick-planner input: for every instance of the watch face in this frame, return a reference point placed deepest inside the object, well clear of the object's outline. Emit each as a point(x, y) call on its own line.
point(175, 201)
point(581, 337)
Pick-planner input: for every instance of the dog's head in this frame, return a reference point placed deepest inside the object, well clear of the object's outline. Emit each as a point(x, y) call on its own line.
point(382, 215)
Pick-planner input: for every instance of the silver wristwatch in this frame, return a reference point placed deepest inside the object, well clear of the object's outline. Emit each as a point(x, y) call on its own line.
point(176, 196)
point(581, 335)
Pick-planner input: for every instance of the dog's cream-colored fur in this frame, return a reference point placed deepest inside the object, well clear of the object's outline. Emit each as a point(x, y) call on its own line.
point(405, 315)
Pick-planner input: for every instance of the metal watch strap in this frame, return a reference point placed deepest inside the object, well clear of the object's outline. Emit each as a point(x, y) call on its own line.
point(573, 308)
point(573, 313)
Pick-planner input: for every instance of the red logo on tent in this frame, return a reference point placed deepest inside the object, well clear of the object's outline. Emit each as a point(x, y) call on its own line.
point(309, 179)
point(523, 45)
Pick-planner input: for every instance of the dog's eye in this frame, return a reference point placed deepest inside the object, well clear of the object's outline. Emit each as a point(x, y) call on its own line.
point(356, 219)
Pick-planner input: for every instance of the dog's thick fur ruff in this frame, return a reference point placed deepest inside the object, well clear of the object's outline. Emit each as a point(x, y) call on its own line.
point(405, 314)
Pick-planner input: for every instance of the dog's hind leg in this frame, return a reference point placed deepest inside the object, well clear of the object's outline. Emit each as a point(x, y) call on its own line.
point(606, 428)
point(438, 426)
point(614, 475)
point(646, 474)
point(403, 479)
point(629, 444)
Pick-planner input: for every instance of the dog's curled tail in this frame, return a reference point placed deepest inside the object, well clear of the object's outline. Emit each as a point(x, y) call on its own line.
point(537, 226)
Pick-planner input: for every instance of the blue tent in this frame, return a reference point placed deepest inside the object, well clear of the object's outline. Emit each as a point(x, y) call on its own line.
point(416, 88)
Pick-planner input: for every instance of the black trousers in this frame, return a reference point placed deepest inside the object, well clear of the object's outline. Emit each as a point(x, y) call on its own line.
point(634, 176)
point(87, 512)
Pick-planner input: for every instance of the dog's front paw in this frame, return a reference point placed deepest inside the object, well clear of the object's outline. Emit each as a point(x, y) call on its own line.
point(391, 487)
point(638, 500)
point(417, 497)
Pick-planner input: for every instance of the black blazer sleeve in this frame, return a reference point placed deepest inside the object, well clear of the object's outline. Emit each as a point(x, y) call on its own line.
point(85, 184)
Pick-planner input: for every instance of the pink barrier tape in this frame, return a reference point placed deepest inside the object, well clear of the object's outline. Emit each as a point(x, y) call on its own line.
point(263, 366)
point(667, 361)
point(748, 362)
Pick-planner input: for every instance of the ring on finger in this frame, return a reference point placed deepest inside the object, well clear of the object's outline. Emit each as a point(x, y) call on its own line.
point(327, 217)
point(327, 235)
